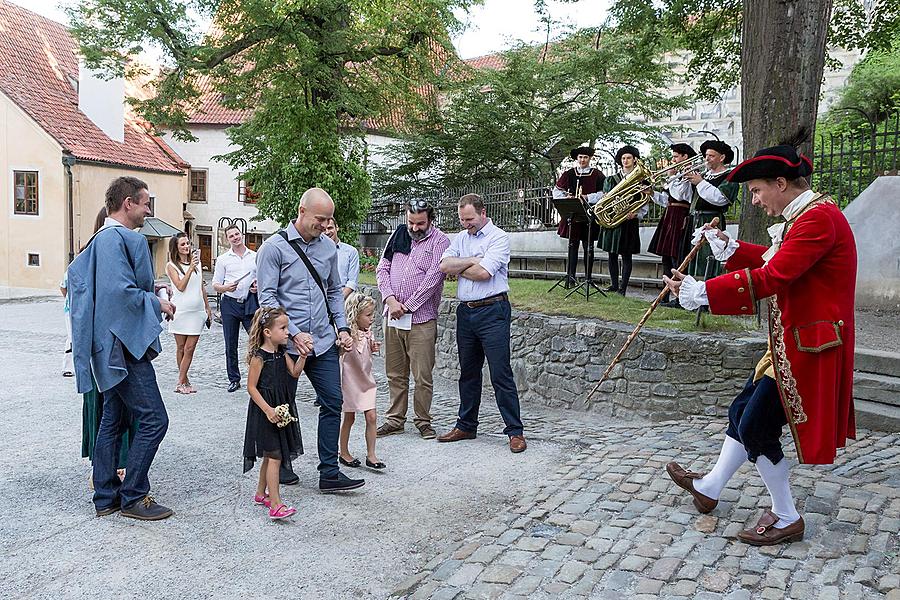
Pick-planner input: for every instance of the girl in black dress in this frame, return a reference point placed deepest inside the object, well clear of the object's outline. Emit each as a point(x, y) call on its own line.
point(272, 432)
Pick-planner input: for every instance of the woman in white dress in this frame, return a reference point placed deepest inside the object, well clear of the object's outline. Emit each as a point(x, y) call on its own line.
point(191, 305)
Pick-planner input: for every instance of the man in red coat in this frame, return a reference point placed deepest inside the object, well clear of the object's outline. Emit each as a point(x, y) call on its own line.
point(805, 379)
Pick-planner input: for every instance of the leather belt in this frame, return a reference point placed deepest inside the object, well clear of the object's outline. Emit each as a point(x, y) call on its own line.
point(486, 301)
point(679, 204)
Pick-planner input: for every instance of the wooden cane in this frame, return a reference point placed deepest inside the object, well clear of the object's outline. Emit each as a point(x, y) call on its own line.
point(687, 260)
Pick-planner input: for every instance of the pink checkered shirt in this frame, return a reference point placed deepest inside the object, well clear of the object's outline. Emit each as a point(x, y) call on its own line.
point(415, 280)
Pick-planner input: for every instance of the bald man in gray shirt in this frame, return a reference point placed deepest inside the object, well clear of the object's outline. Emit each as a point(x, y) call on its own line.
point(316, 316)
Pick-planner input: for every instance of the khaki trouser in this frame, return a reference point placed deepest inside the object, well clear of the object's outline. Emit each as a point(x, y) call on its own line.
point(404, 351)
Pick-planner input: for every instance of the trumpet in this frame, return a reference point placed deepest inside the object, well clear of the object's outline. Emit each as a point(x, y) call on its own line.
point(630, 193)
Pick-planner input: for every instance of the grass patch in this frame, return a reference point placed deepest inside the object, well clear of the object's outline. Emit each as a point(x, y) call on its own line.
point(531, 295)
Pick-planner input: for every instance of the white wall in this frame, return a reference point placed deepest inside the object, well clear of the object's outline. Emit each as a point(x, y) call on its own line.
point(221, 182)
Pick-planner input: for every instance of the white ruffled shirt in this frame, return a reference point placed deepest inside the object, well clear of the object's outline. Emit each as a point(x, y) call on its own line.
point(692, 294)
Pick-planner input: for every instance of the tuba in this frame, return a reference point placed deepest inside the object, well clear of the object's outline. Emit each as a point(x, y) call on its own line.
point(628, 195)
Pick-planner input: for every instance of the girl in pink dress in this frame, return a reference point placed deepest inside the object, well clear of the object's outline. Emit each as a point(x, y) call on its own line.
point(357, 380)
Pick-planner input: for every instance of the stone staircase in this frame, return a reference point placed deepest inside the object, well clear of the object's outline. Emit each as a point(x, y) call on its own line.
point(876, 390)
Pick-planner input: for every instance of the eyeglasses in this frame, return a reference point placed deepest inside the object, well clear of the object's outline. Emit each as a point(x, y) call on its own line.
point(418, 205)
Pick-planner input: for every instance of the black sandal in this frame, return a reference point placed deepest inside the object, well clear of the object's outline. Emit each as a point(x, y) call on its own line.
point(349, 463)
point(378, 465)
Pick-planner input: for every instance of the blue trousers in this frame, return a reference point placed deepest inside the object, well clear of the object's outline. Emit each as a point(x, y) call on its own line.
point(755, 419)
point(481, 333)
point(234, 315)
point(138, 394)
point(324, 373)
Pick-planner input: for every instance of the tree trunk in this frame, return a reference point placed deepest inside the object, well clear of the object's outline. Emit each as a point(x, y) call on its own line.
point(782, 62)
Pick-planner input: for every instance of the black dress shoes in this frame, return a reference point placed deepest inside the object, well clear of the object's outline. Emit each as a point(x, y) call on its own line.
point(234, 386)
point(341, 483)
point(611, 288)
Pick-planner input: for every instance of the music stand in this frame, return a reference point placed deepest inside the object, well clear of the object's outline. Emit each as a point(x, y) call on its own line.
point(578, 211)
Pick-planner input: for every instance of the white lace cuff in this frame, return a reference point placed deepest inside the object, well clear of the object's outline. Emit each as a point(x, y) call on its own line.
point(692, 294)
point(721, 250)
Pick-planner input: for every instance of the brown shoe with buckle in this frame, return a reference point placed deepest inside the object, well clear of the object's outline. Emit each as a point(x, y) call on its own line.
point(764, 534)
point(517, 444)
point(456, 435)
point(684, 480)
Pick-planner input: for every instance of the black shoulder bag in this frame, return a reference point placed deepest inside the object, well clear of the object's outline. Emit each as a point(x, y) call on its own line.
point(312, 271)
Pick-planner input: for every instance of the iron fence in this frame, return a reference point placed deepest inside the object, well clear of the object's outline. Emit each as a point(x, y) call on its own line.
point(845, 164)
point(521, 205)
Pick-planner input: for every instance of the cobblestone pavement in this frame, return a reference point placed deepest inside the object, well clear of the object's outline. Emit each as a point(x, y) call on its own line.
point(609, 524)
point(586, 512)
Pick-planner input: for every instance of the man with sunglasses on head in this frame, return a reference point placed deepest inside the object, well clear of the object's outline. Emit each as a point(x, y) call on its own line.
point(410, 281)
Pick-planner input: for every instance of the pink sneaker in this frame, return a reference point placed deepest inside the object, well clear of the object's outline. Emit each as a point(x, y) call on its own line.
point(262, 501)
point(282, 511)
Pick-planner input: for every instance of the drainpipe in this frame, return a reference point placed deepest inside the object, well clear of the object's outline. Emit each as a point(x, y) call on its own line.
point(68, 162)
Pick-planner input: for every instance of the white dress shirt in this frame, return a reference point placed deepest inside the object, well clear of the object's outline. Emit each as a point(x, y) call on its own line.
point(230, 267)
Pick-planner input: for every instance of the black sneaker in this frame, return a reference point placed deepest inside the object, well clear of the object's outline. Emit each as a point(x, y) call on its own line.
point(287, 477)
point(341, 483)
point(147, 509)
point(102, 512)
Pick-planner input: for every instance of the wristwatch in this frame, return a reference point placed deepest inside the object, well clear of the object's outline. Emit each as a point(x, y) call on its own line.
point(340, 329)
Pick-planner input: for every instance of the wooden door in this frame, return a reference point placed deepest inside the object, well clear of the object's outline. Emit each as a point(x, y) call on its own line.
point(205, 251)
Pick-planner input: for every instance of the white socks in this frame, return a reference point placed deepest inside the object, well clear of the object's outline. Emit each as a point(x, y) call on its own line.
point(730, 460)
point(776, 479)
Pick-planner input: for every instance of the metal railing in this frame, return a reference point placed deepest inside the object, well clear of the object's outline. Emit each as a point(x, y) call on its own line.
point(521, 205)
point(845, 164)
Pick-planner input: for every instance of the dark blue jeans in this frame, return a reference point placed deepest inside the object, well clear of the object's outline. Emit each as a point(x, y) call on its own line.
point(755, 419)
point(324, 373)
point(234, 315)
point(138, 394)
point(481, 333)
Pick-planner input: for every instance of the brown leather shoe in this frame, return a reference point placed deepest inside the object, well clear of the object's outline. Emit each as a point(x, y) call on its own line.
point(764, 534)
point(455, 435)
point(684, 479)
point(517, 444)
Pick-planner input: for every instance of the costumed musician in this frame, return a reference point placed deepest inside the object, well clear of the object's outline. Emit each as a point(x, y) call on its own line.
point(668, 239)
point(625, 239)
point(580, 180)
point(805, 379)
point(714, 194)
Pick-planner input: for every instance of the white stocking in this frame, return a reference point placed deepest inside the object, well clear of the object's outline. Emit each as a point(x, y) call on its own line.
point(776, 478)
point(730, 460)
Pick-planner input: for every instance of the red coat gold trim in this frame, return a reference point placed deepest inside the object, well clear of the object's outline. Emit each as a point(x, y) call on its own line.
point(810, 283)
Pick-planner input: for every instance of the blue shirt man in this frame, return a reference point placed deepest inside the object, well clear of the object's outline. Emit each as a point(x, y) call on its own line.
point(284, 280)
point(479, 257)
point(348, 260)
point(115, 334)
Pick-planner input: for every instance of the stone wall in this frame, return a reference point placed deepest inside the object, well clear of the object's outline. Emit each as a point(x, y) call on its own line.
point(665, 374)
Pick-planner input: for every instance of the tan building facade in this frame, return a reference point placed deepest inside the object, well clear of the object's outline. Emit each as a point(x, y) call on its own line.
point(64, 136)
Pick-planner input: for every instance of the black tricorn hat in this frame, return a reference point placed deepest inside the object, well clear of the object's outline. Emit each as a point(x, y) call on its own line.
point(771, 163)
point(720, 147)
point(626, 150)
point(581, 150)
point(683, 149)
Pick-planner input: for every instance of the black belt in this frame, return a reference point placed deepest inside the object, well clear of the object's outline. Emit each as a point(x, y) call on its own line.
point(485, 301)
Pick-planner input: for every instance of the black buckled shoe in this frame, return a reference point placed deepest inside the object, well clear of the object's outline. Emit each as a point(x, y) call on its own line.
point(147, 509)
point(341, 483)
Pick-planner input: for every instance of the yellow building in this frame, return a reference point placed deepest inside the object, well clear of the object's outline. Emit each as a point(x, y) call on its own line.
point(64, 136)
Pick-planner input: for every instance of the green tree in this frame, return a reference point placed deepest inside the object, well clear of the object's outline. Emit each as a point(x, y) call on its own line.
point(521, 120)
point(313, 73)
point(775, 49)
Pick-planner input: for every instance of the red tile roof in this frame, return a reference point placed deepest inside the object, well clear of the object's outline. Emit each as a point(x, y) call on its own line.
point(488, 61)
point(39, 72)
point(211, 111)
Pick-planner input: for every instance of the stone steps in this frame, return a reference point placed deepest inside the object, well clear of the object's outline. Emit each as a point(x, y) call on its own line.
point(876, 389)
